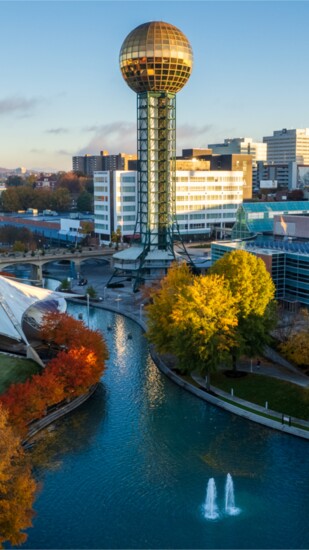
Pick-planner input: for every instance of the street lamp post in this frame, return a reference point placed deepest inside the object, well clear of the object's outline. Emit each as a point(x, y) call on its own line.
point(141, 307)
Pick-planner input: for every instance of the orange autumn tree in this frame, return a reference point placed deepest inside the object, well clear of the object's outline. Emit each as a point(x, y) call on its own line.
point(29, 400)
point(17, 488)
point(78, 365)
point(76, 369)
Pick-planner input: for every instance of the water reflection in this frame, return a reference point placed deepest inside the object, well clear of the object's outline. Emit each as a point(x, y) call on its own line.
point(70, 434)
point(154, 387)
point(121, 341)
point(132, 471)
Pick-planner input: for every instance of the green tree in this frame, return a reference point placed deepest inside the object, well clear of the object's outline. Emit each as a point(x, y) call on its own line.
point(65, 284)
point(61, 200)
point(85, 202)
point(31, 179)
point(91, 291)
point(116, 237)
point(10, 200)
point(253, 288)
point(86, 228)
point(71, 182)
point(14, 181)
point(18, 246)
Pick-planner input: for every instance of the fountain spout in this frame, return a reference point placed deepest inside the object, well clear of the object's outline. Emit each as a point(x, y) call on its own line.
point(210, 506)
point(230, 507)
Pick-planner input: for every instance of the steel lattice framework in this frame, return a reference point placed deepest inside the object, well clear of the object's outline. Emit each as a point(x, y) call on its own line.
point(156, 61)
point(156, 144)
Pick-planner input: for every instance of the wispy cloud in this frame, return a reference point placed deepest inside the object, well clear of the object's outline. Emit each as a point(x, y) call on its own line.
point(189, 130)
point(64, 152)
point(117, 137)
point(37, 151)
point(93, 128)
point(57, 131)
point(19, 105)
point(120, 136)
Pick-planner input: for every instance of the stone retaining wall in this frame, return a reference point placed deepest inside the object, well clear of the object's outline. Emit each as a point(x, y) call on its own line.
point(39, 425)
point(203, 394)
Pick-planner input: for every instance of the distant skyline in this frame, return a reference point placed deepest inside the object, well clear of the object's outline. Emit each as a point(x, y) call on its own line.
point(62, 93)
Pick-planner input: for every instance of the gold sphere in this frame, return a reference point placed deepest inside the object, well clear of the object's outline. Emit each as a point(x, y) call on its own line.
point(156, 57)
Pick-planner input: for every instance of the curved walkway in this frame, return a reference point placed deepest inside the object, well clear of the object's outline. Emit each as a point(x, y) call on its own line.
point(273, 419)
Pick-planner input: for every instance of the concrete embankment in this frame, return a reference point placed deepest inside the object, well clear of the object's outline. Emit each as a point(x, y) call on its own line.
point(216, 397)
point(240, 407)
point(38, 425)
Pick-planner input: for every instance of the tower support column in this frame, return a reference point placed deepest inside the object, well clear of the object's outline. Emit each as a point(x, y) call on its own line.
point(156, 145)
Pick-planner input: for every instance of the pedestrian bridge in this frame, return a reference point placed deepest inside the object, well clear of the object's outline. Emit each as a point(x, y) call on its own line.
point(39, 260)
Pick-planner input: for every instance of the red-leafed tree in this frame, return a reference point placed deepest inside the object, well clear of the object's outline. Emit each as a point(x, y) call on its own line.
point(76, 369)
point(78, 365)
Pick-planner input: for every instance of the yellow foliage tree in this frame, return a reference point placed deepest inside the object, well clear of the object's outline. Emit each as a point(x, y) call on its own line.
point(249, 281)
point(159, 311)
point(204, 323)
point(17, 488)
point(296, 348)
point(194, 318)
point(252, 287)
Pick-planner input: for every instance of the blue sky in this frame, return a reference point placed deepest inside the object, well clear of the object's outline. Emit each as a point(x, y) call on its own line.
point(62, 92)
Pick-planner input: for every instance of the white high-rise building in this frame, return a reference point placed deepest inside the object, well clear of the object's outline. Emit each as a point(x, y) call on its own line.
point(205, 200)
point(115, 202)
point(288, 146)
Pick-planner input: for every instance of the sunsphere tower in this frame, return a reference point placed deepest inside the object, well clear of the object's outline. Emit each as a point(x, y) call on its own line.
point(156, 61)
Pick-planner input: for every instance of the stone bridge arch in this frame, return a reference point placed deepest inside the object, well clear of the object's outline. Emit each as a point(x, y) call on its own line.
point(37, 263)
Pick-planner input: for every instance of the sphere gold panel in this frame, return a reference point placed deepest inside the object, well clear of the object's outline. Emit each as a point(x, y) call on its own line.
point(156, 57)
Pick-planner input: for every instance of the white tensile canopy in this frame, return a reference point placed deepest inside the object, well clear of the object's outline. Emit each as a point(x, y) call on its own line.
point(15, 299)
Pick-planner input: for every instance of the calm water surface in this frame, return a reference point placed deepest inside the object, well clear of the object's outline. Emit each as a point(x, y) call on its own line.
point(130, 468)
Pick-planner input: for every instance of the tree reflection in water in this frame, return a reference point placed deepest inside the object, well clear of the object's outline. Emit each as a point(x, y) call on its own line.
point(70, 434)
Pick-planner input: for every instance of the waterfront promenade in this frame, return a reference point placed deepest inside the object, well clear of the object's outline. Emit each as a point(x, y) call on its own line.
point(125, 302)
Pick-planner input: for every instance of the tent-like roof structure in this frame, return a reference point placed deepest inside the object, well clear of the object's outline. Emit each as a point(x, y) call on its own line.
point(15, 299)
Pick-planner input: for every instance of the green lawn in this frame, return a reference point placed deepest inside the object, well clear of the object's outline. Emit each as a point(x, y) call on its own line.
point(282, 397)
point(15, 369)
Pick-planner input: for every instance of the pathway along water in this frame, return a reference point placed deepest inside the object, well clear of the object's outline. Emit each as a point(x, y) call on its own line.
point(130, 468)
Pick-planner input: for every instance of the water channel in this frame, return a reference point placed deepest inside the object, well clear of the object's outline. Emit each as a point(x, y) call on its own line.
point(130, 468)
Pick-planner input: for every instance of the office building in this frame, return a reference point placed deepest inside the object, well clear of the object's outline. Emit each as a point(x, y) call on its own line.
point(286, 258)
point(115, 204)
point(243, 146)
point(88, 164)
point(288, 146)
point(205, 159)
point(206, 201)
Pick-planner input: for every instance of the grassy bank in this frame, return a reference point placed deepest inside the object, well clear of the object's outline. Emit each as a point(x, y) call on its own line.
point(15, 369)
point(282, 396)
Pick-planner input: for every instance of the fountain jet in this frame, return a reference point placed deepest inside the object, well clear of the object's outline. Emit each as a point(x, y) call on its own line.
point(210, 506)
point(230, 507)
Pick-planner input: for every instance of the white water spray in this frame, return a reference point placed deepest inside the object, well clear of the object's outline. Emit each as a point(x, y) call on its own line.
point(210, 506)
point(230, 507)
